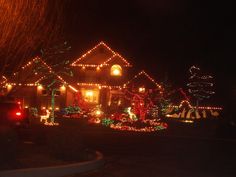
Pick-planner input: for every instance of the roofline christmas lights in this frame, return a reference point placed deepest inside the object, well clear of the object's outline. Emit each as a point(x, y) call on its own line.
point(103, 64)
point(149, 77)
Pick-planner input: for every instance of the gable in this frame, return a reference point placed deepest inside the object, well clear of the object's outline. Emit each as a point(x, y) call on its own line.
point(142, 79)
point(29, 75)
point(117, 59)
point(96, 56)
point(100, 55)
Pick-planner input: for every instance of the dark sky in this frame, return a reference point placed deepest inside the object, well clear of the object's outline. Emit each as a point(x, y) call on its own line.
point(162, 37)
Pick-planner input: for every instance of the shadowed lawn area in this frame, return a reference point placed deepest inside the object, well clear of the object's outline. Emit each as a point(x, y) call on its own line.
point(40, 145)
point(199, 149)
point(196, 150)
point(152, 156)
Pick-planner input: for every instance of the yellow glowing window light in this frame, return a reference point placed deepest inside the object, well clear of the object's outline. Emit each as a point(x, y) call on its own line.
point(141, 89)
point(98, 112)
point(62, 88)
point(40, 87)
point(9, 87)
point(91, 95)
point(116, 70)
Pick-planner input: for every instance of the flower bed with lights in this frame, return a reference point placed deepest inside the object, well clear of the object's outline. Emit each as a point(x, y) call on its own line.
point(126, 121)
point(142, 126)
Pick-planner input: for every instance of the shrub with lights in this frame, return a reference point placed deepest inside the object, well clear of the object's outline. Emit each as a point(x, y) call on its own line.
point(126, 121)
point(140, 116)
point(71, 111)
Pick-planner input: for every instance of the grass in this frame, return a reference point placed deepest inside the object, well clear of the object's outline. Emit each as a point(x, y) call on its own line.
point(42, 145)
point(45, 146)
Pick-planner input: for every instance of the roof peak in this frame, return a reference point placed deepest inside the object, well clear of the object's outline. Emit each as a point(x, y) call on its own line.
point(142, 72)
point(110, 54)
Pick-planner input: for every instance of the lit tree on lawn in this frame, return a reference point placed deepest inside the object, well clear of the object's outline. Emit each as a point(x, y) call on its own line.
point(141, 103)
point(140, 116)
point(52, 79)
point(164, 100)
point(199, 86)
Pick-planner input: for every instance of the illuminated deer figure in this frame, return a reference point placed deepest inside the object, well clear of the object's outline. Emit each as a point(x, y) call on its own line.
point(131, 114)
point(45, 117)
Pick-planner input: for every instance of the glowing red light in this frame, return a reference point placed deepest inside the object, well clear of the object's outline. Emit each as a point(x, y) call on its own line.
point(18, 113)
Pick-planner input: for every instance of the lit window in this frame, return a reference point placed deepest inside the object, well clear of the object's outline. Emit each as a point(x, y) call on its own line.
point(89, 93)
point(116, 70)
point(90, 96)
point(9, 87)
point(141, 89)
point(40, 87)
point(62, 88)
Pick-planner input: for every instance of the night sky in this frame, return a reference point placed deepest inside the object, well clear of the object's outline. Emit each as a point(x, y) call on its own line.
point(163, 37)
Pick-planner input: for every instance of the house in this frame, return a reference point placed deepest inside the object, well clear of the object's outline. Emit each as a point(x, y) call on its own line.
point(100, 76)
point(27, 86)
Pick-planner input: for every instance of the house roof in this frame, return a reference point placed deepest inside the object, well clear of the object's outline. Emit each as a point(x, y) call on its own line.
point(83, 80)
point(29, 75)
point(100, 55)
point(142, 78)
point(117, 59)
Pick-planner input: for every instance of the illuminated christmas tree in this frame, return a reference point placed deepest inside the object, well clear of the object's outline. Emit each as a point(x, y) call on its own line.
point(200, 86)
point(52, 81)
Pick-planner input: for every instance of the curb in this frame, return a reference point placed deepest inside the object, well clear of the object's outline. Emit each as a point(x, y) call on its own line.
point(57, 171)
